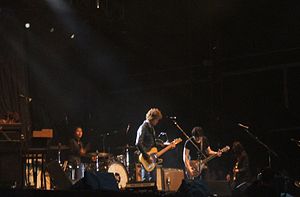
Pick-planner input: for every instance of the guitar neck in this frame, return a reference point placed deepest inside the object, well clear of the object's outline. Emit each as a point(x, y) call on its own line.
point(164, 150)
point(209, 158)
point(225, 149)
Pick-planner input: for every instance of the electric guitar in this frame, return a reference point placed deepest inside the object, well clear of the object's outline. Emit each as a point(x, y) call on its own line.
point(199, 165)
point(234, 175)
point(155, 154)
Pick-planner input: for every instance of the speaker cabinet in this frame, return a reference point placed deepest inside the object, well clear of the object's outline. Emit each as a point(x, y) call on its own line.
point(97, 181)
point(59, 178)
point(169, 179)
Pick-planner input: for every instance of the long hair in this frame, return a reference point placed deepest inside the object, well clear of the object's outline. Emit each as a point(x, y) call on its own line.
point(197, 132)
point(237, 148)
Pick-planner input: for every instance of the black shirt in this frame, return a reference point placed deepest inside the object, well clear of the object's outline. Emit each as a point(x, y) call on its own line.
point(244, 169)
point(194, 152)
point(75, 146)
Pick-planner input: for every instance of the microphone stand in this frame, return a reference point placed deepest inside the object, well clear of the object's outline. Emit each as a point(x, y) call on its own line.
point(269, 150)
point(199, 152)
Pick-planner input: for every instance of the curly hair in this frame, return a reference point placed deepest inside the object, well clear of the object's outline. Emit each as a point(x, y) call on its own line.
point(153, 113)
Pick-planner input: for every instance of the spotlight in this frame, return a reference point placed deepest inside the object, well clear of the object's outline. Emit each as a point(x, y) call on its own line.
point(72, 36)
point(27, 25)
point(52, 29)
point(98, 4)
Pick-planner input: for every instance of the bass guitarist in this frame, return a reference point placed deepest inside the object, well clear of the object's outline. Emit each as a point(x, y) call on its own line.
point(195, 149)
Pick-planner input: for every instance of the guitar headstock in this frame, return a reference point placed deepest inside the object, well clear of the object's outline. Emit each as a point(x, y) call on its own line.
point(225, 149)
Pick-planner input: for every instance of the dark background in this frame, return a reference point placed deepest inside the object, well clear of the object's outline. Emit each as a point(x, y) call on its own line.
point(212, 63)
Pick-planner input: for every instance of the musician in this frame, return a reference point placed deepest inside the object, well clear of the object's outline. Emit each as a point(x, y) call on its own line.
point(191, 153)
point(241, 170)
point(77, 150)
point(145, 140)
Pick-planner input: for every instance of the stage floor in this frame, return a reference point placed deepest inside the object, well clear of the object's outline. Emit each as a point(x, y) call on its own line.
point(82, 193)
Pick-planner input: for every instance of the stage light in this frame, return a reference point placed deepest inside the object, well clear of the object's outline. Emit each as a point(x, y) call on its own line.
point(27, 25)
point(98, 4)
point(51, 29)
point(72, 36)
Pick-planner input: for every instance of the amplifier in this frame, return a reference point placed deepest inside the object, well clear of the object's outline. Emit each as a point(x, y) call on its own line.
point(169, 179)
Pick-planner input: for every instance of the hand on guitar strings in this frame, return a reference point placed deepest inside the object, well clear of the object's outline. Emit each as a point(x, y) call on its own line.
point(173, 145)
point(219, 153)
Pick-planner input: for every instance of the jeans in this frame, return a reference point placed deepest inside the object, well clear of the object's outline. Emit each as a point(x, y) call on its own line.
point(148, 176)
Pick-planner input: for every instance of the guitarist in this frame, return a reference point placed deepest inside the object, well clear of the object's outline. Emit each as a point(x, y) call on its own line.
point(145, 140)
point(197, 148)
point(241, 170)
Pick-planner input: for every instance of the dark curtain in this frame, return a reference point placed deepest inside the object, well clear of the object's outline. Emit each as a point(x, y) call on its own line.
point(10, 87)
point(13, 70)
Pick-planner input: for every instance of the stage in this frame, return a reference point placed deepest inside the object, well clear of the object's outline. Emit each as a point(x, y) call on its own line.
point(36, 193)
point(123, 92)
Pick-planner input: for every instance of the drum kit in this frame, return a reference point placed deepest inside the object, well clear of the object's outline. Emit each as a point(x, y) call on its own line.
point(120, 165)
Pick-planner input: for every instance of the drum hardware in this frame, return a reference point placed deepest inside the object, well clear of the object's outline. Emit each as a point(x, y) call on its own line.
point(97, 161)
point(100, 155)
point(59, 148)
point(127, 158)
point(103, 136)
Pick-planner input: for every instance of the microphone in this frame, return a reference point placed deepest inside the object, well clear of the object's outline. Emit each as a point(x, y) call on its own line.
point(293, 140)
point(243, 126)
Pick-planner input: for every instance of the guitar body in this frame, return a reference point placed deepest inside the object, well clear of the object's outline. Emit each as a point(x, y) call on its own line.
point(199, 165)
point(236, 166)
point(154, 154)
point(234, 175)
point(149, 166)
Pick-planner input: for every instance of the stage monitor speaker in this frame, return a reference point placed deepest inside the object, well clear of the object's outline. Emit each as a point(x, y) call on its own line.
point(60, 180)
point(170, 179)
point(11, 168)
point(219, 188)
point(97, 181)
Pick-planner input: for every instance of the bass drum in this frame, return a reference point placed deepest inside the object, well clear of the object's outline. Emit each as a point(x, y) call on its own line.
point(120, 173)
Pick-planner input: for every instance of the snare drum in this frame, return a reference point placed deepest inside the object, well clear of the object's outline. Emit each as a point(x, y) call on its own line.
point(121, 175)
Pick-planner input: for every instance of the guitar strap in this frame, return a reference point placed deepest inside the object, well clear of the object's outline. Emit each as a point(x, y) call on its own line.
point(201, 148)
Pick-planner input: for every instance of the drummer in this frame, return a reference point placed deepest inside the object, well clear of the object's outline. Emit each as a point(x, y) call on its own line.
point(77, 150)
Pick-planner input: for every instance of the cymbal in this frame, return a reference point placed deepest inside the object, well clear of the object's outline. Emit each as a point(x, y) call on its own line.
point(100, 154)
point(62, 147)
